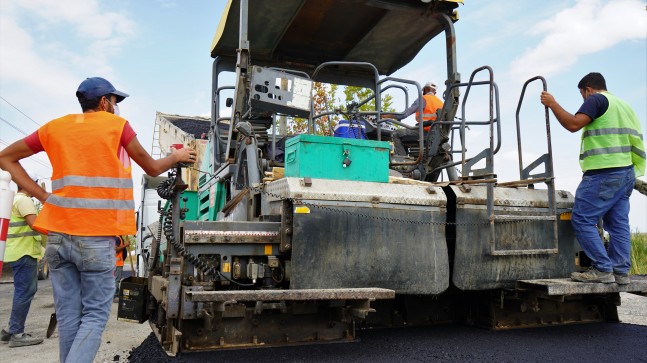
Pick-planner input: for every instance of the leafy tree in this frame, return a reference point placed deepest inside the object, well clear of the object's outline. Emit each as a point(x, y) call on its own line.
point(324, 99)
point(323, 94)
point(357, 94)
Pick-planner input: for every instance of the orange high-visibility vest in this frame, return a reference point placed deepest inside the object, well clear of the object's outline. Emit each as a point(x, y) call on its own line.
point(92, 192)
point(119, 255)
point(432, 103)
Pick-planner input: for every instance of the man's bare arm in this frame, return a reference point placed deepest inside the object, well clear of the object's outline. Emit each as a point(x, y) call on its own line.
point(572, 123)
point(154, 167)
point(10, 161)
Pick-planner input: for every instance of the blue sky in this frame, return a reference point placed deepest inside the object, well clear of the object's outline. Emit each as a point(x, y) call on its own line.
point(158, 52)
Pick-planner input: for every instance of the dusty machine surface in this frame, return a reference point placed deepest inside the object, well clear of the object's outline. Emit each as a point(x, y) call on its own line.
point(302, 239)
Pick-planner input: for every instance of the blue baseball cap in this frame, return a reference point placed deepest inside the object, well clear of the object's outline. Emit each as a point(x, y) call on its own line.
point(94, 87)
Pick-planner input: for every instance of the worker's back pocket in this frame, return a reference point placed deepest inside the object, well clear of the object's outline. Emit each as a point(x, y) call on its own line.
point(97, 253)
point(54, 243)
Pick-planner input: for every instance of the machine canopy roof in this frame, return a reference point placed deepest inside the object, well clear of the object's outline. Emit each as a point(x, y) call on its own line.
point(301, 34)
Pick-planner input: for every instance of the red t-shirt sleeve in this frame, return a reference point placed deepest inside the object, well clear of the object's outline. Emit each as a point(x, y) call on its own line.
point(127, 135)
point(33, 141)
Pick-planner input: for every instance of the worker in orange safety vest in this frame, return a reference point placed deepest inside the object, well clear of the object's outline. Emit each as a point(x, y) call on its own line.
point(430, 104)
point(91, 202)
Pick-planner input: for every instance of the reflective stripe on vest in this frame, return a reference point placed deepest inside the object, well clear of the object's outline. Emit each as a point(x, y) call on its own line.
point(612, 150)
point(85, 203)
point(22, 234)
point(612, 131)
point(92, 182)
point(613, 140)
point(17, 224)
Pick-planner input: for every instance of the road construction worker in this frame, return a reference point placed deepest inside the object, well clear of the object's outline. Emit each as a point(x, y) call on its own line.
point(612, 155)
point(91, 202)
point(22, 252)
point(121, 251)
point(430, 104)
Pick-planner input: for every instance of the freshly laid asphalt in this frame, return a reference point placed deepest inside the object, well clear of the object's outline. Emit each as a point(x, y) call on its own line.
point(131, 342)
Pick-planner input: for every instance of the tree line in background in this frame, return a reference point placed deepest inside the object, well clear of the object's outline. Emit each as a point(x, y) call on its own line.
point(325, 99)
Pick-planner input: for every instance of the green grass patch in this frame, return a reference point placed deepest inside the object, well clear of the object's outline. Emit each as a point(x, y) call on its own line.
point(638, 253)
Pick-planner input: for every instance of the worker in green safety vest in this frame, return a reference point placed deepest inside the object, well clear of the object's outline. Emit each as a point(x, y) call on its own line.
point(612, 155)
point(22, 252)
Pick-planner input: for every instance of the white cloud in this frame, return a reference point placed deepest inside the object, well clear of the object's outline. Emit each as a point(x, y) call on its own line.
point(588, 27)
point(86, 18)
point(48, 46)
point(34, 45)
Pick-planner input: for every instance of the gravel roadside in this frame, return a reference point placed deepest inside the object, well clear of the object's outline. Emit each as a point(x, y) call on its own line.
point(118, 339)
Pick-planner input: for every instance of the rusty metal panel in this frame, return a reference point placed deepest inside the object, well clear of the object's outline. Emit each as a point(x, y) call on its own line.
point(323, 324)
point(567, 286)
point(174, 287)
point(523, 248)
point(347, 245)
point(289, 295)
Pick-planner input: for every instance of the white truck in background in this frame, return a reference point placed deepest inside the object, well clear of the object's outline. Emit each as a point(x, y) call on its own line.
point(146, 214)
point(169, 130)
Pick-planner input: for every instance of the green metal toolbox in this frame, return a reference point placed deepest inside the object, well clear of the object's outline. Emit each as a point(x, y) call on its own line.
point(337, 158)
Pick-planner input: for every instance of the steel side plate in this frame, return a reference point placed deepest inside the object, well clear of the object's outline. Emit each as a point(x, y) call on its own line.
point(294, 295)
point(566, 286)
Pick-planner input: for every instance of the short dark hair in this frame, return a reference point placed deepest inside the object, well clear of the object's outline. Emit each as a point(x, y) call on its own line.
point(594, 80)
point(91, 104)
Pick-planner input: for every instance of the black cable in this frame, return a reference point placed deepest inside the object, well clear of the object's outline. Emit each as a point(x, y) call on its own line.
point(166, 190)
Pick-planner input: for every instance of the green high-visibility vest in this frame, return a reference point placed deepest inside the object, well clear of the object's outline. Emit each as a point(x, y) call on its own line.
point(613, 139)
point(21, 240)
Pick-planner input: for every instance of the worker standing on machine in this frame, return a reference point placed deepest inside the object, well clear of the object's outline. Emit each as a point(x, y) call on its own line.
point(612, 155)
point(91, 202)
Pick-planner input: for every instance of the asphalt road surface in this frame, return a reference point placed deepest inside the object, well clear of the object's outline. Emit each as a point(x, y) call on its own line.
point(130, 342)
point(448, 343)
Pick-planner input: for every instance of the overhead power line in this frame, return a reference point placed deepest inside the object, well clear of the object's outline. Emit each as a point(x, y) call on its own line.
point(17, 109)
point(13, 126)
point(30, 158)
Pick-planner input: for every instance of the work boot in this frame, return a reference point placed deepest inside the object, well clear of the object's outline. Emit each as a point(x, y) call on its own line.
point(5, 336)
point(22, 340)
point(621, 279)
point(593, 275)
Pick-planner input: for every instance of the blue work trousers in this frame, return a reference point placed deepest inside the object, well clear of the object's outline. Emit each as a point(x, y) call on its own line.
point(25, 284)
point(82, 274)
point(605, 195)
